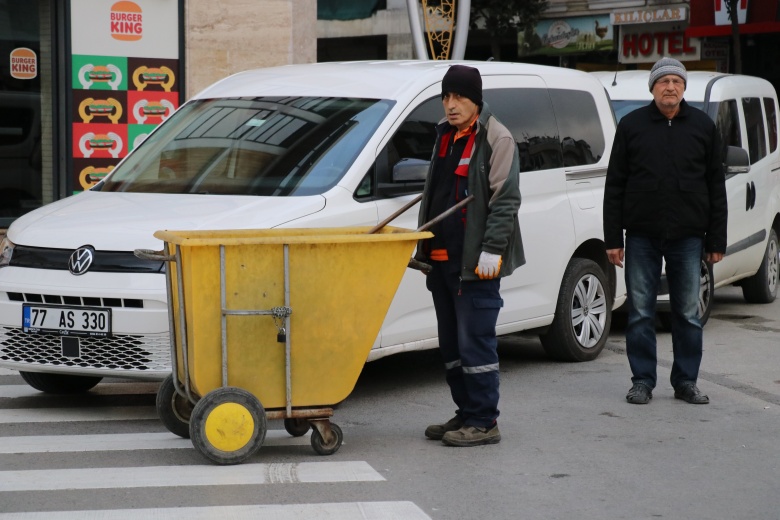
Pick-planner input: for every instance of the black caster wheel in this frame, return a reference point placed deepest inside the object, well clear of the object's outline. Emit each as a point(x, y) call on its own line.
point(296, 427)
point(327, 448)
point(173, 409)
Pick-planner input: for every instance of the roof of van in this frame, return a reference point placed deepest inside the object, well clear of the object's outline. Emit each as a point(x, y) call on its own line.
point(374, 79)
point(632, 84)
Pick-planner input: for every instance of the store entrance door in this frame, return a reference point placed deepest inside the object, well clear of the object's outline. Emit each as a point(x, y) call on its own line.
point(21, 158)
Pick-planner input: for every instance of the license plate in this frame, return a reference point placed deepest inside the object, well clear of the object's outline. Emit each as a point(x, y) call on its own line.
point(67, 321)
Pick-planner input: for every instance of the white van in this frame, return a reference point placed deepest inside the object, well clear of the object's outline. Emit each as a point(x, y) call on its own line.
point(744, 109)
point(318, 145)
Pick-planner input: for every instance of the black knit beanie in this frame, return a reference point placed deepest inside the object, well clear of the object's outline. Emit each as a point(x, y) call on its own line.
point(465, 81)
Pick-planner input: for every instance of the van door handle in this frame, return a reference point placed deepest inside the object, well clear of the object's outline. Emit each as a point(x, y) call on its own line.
point(753, 196)
point(750, 196)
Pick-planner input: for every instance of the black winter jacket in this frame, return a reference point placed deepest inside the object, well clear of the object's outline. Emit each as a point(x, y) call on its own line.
point(665, 179)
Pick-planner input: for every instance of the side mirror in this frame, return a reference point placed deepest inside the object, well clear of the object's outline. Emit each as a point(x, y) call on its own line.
point(410, 170)
point(737, 160)
point(408, 177)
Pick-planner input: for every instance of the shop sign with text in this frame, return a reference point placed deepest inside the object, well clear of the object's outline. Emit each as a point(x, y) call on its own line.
point(648, 43)
point(666, 14)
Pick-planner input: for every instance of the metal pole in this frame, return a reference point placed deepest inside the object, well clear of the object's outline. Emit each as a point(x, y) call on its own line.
point(223, 304)
point(461, 29)
point(417, 33)
point(183, 325)
point(287, 353)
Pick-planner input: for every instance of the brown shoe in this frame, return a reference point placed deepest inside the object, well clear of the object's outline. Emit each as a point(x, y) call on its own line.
point(437, 431)
point(472, 436)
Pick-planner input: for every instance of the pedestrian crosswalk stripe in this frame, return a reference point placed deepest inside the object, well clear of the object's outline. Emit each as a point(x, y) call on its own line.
point(342, 511)
point(179, 476)
point(16, 391)
point(122, 442)
point(52, 415)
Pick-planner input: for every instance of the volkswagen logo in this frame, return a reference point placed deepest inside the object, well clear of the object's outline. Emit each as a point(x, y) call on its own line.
point(81, 259)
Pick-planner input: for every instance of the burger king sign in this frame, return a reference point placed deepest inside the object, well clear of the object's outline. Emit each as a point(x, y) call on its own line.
point(24, 63)
point(126, 21)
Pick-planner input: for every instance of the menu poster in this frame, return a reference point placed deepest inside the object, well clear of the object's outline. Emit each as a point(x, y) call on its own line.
point(124, 82)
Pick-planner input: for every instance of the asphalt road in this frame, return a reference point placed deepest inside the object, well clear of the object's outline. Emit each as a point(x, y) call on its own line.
point(571, 448)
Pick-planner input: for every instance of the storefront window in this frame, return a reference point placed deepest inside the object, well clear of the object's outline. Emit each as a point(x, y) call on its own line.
point(25, 108)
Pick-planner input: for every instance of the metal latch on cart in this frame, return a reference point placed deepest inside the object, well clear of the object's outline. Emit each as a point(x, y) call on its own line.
point(280, 314)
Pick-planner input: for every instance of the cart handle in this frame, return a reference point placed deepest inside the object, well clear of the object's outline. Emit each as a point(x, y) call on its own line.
point(395, 215)
point(422, 266)
point(150, 254)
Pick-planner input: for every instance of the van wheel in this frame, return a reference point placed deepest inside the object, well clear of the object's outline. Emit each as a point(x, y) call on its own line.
point(762, 286)
point(59, 383)
point(583, 314)
point(706, 292)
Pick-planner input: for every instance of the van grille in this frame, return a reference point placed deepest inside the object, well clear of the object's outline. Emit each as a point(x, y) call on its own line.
point(84, 301)
point(104, 261)
point(134, 353)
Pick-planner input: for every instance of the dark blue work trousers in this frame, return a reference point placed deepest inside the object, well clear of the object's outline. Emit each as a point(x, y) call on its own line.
point(467, 313)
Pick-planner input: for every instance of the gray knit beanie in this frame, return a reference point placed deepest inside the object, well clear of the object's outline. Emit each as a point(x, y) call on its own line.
point(666, 66)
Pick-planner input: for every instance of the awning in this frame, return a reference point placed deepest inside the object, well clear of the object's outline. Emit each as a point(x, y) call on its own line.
point(725, 30)
point(346, 9)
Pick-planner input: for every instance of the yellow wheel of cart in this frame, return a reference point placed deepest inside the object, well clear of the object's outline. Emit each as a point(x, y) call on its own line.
point(174, 409)
point(228, 425)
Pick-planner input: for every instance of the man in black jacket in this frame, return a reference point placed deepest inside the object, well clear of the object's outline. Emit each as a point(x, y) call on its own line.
point(666, 187)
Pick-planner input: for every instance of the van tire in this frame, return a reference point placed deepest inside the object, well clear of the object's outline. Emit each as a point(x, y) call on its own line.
point(583, 301)
point(59, 383)
point(762, 286)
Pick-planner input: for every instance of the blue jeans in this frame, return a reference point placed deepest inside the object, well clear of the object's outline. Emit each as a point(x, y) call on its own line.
point(466, 313)
point(643, 258)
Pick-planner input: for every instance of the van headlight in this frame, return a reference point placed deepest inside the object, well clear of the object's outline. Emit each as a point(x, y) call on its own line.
point(6, 251)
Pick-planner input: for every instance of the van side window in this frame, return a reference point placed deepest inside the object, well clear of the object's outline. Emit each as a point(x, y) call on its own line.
point(413, 144)
point(771, 123)
point(754, 125)
point(582, 138)
point(727, 121)
point(528, 114)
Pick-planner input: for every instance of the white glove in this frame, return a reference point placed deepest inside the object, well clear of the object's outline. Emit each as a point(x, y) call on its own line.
point(489, 265)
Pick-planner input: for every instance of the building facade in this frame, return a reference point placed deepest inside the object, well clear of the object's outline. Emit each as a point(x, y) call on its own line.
point(84, 81)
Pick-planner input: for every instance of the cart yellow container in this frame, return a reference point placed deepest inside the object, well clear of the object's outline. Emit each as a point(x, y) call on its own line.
point(285, 315)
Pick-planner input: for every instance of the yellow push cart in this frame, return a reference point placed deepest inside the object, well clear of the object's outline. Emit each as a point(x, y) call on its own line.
point(272, 324)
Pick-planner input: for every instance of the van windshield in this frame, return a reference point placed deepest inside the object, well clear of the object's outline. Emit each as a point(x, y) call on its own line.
point(624, 106)
point(271, 146)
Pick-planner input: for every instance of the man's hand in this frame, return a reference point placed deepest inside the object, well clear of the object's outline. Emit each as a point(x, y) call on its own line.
point(489, 266)
point(713, 258)
point(615, 256)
